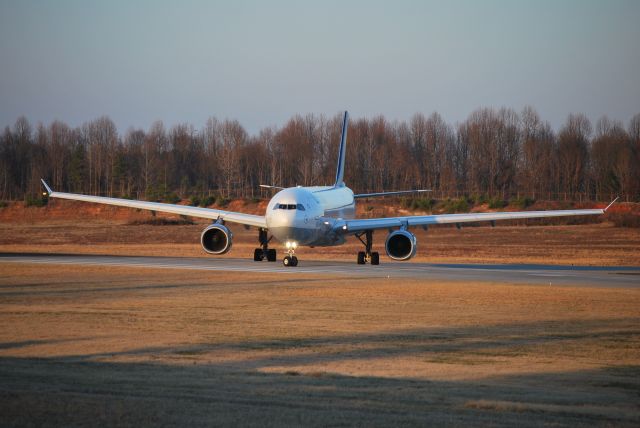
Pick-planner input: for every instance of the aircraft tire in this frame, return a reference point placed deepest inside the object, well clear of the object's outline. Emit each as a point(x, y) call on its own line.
point(375, 258)
point(361, 257)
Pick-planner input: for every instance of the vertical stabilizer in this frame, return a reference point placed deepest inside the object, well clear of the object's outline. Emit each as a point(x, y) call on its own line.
point(342, 151)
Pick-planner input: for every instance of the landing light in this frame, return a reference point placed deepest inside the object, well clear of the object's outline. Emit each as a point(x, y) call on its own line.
point(291, 245)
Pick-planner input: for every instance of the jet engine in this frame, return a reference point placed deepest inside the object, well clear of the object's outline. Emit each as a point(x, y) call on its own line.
point(216, 239)
point(401, 245)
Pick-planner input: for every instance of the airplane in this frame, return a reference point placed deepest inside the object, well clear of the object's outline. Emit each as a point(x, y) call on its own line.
point(319, 216)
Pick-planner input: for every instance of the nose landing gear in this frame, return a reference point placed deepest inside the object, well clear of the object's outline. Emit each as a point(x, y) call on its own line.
point(367, 255)
point(264, 252)
point(290, 259)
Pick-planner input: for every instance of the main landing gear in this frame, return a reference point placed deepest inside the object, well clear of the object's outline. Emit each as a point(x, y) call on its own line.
point(264, 252)
point(367, 255)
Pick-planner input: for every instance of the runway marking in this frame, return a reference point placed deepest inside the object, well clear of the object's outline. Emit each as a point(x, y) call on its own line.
point(549, 274)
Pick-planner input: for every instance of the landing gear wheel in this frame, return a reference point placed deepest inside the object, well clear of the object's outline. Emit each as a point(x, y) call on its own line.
point(290, 261)
point(367, 255)
point(259, 254)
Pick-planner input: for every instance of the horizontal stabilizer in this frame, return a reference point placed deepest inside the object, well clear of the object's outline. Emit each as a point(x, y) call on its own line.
point(400, 192)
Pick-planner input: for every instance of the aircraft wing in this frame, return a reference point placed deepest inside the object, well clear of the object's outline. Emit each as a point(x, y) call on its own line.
point(231, 216)
point(359, 225)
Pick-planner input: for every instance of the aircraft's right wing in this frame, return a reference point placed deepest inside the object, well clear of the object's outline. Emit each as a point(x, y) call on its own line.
point(231, 216)
point(359, 225)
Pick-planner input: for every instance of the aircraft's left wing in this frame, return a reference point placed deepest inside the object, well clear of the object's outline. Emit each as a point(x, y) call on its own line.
point(231, 216)
point(359, 225)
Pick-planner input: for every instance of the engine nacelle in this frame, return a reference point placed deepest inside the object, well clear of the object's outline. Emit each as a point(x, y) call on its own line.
point(401, 245)
point(216, 239)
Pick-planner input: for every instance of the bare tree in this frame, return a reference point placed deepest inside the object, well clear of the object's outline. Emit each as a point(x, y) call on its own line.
point(153, 170)
point(439, 143)
point(210, 140)
point(634, 136)
point(612, 159)
point(573, 142)
point(232, 138)
point(537, 165)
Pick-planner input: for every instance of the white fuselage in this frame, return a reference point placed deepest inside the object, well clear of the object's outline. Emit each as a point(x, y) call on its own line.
point(305, 215)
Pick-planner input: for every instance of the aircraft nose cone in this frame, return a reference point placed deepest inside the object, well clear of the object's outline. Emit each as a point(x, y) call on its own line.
point(282, 219)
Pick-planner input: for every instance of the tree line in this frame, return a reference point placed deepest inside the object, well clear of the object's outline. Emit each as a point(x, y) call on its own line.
point(494, 152)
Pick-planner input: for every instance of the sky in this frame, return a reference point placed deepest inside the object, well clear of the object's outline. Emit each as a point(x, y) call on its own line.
point(261, 62)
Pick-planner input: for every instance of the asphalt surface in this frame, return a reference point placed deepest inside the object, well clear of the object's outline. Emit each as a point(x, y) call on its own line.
point(550, 275)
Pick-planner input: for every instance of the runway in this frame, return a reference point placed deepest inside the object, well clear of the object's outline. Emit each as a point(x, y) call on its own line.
point(587, 276)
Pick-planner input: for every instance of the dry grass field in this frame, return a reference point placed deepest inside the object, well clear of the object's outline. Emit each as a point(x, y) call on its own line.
point(95, 346)
point(136, 347)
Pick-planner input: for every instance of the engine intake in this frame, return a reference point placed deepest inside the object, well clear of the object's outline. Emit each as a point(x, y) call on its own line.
point(216, 239)
point(401, 245)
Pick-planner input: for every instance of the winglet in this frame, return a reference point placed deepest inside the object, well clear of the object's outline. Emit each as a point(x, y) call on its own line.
point(46, 186)
point(612, 202)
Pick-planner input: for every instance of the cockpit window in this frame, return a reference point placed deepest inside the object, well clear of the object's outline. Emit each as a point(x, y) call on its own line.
point(289, 207)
